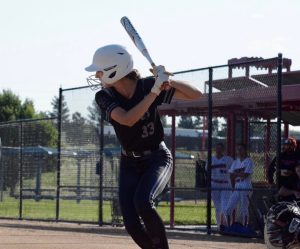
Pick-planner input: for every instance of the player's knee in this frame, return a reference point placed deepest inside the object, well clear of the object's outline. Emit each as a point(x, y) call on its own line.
point(142, 204)
point(227, 211)
point(132, 225)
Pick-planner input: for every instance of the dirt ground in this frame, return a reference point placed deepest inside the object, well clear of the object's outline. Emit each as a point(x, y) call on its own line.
point(44, 235)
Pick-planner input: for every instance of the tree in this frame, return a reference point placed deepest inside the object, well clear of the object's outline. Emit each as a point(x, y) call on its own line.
point(186, 122)
point(12, 108)
point(94, 114)
point(163, 120)
point(198, 122)
point(78, 120)
point(44, 114)
point(65, 112)
point(27, 110)
point(223, 130)
point(215, 126)
point(34, 133)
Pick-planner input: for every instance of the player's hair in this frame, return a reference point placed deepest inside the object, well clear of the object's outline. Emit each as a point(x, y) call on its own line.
point(220, 144)
point(244, 146)
point(133, 75)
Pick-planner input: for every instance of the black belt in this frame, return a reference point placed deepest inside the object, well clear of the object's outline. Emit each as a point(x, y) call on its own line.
point(135, 154)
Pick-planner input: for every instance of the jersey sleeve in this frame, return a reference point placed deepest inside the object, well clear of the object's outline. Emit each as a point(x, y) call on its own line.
point(232, 167)
point(165, 97)
point(290, 182)
point(249, 166)
point(106, 103)
point(229, 161)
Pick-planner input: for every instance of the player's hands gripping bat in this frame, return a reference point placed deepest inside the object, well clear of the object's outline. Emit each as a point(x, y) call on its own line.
point(161, 78)
point(138, 42)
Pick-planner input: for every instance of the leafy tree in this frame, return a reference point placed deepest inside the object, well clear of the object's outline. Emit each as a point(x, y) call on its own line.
point(12, 108)
point(44, 114)
point(186, 122)
point(223, 130)
point(163, 120)
point(215, 126)
point(34, 133)
point(40, 133)
point(27, 110)
point(198, 122)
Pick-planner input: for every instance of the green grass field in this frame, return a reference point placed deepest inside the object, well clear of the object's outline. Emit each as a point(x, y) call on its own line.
point(186, 213)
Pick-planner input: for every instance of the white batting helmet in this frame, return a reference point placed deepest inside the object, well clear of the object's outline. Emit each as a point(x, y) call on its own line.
point(114, 61)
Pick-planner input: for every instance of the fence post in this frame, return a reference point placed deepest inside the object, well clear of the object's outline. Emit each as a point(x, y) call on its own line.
point(59, 123)
point(279, 114)
point(172, 193)
point(1, 173)
point(100, 214)
point(209, 151)
point(21, 173)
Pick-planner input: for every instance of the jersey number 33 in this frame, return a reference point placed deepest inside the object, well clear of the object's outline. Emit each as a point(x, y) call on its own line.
point(148, 130)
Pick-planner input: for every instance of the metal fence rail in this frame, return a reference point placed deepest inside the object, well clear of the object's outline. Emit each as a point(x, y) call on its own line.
point(66, 168)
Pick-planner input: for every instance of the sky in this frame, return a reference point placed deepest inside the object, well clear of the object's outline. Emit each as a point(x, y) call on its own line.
point(45, 44)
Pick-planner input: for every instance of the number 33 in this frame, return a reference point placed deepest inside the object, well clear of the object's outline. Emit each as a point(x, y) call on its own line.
point(148, 130)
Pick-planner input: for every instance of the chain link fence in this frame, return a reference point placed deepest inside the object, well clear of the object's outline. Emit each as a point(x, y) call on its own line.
point(66, 169)
point(28, 169)
point(244, 99)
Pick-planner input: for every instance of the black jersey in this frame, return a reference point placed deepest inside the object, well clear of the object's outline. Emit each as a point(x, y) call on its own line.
point(147, 133)
point(287, 165)
point(293, 183)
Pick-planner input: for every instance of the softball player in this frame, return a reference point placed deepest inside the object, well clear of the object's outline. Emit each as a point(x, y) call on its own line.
point(220, 183)
point(240, 174)
point(130, 104)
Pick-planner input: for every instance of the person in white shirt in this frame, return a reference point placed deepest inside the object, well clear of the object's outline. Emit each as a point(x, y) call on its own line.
point(220, 183)
point(240, 175)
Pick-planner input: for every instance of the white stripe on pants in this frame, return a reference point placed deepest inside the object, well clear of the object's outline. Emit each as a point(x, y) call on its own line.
point(239, 198)
point(220, 197)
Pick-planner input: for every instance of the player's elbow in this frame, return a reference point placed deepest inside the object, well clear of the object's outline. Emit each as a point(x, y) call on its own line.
point(193, 95)
point(197, 94)
point(128, 121)
point(129, 124)
point(123, 118)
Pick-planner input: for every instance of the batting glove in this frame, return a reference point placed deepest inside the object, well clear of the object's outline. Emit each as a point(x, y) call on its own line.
point(160, 77)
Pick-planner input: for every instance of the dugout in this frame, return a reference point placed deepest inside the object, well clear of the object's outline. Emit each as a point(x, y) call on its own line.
point(239, 99)
point(245, 96)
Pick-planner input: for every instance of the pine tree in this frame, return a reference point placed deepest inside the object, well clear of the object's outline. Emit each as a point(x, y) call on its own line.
point(65, 112)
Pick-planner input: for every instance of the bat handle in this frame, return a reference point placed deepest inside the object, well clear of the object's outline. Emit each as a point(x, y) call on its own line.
point(168, 73)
